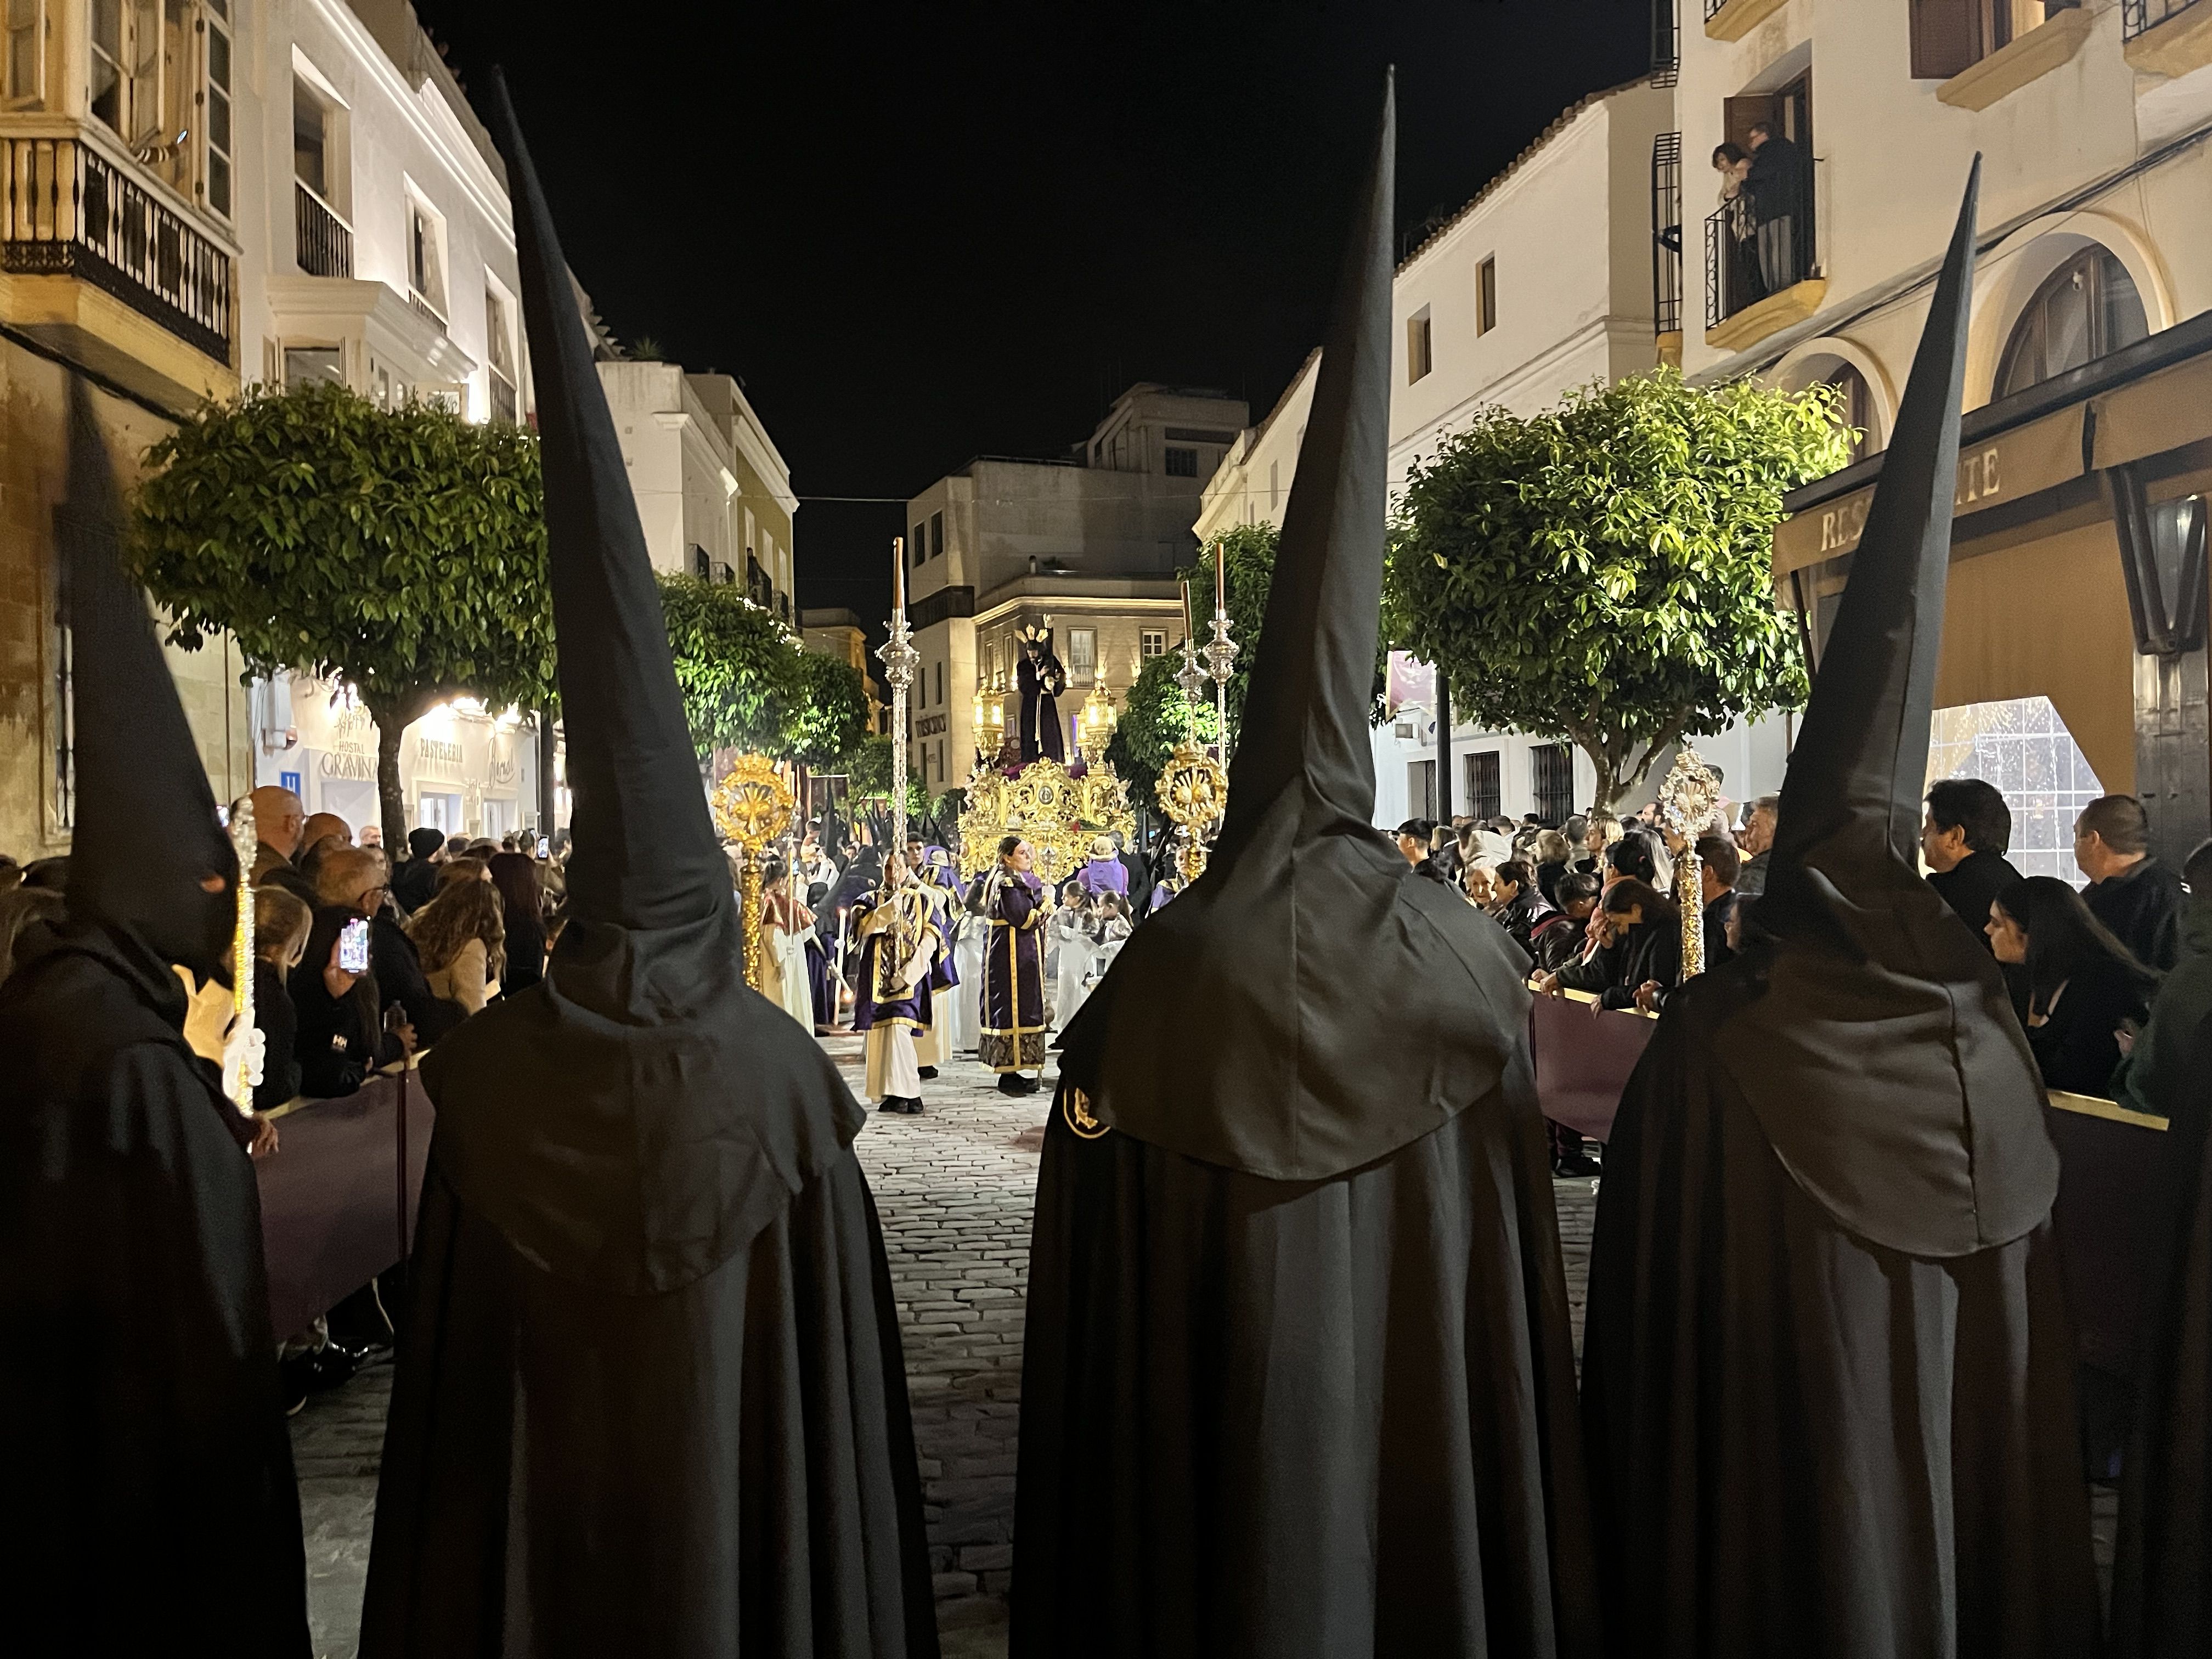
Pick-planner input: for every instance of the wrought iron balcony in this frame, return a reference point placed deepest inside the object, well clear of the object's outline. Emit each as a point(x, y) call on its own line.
point(2141, 16)
point(1742, 271)
point(67, 211)
point(325, 241)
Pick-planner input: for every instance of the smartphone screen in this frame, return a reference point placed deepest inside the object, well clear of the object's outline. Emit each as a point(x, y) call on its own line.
point(544, 848)
point(352, 948)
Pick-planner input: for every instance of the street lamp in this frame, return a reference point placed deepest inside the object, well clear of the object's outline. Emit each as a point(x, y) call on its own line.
point(1099, 716)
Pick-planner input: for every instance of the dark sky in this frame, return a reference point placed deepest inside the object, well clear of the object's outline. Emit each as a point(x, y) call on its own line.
point(924, 232)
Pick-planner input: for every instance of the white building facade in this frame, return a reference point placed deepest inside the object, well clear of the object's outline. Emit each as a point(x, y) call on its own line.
point(2073, 660)
point(1546, 281)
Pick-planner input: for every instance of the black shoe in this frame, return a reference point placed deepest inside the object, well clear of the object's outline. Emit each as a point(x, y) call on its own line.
point(1029, 1084)
point(888, 1103)
point(319, 1369)
point(911, 1106)
point(928, 1072)
point(1013, 1083)
point(1580, 1166)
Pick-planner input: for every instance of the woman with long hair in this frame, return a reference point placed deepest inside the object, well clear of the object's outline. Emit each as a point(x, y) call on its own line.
point(1641, 945)
point(786, 926)
point(461, 936)
point(2082, 983)
point(522, 909)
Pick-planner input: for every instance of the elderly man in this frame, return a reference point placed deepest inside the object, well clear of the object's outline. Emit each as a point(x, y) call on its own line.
point(1756, 836)
point(2129, 892)
point(281, 822)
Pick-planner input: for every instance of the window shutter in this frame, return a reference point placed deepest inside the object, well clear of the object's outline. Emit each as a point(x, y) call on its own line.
point(1946, 38)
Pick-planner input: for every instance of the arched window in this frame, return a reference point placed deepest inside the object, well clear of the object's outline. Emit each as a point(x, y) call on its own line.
point(1854, 407)
point(2088, 308)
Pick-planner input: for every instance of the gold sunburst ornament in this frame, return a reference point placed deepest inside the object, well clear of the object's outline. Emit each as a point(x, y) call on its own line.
point(752, 805)
point(1193, 791)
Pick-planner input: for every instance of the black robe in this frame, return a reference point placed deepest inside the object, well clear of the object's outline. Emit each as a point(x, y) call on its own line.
point(1291, 1419)
point(1802, 1443)
point(650, 1397)
point(2162, 1573)
point(149, 1504)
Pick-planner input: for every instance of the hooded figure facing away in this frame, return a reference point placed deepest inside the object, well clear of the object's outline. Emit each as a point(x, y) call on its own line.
point(1827, 1373)
point(1298, 1379)
point(150, 1504)
point(649, 1398)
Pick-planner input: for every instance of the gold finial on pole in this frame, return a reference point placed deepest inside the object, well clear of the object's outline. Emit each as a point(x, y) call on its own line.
point(1687, 800)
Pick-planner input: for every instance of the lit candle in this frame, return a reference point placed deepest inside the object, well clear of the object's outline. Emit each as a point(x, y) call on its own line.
point(1220, 579)
point(898, 575)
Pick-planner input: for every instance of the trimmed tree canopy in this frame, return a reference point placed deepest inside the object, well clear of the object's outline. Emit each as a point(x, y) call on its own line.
point(829, 716)
point(739, 668)
point(402, 551)
point(1604, 571)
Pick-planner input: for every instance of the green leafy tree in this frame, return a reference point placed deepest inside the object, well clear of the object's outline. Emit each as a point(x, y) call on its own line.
point(400, 551)
point(741, 672)
point(867, 768)
point(827, 716)
point(1604, 571)
point(1155, 718)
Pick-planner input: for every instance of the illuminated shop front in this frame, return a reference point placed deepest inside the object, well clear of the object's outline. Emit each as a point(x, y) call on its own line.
point(464, 769)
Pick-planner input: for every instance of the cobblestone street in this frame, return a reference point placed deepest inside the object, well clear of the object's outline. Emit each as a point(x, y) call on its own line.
point(954, 1188)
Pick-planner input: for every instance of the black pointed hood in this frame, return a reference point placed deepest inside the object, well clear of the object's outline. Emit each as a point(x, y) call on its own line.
point(147, 830)
point(1310, 1004)
point(635, 1119)
point(645, 855)
point(1877, 1044)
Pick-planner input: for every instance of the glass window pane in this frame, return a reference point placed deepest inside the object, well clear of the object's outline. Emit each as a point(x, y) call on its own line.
point(2122, 322)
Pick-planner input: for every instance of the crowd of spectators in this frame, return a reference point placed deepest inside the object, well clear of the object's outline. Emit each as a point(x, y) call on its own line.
point(1594, 906)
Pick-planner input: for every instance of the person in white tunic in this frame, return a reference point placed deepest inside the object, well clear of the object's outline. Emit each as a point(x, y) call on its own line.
point(1068, 943)
point(786, 926)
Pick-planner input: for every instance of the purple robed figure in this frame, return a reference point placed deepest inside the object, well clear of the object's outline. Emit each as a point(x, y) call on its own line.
point(1105, 872)
point(1012, 901)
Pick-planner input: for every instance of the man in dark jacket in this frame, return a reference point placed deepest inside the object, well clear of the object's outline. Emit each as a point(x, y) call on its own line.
point(356, 877)
point(2129, 892)
point(1779, 185)
point(1963, 840)
point(415, 882)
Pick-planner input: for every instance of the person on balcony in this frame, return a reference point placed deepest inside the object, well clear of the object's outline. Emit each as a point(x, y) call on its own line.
point(1741, 284)
point(1781, 186)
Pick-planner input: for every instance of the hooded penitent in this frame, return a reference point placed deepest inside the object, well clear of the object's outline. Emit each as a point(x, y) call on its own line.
point(724, 1110)
point(1349, 1007)
point(650, 1394)
point(147, 832)
point(1883, 1058)
point(140, 1421)
point(1828, 1372)
point(1296, 1376)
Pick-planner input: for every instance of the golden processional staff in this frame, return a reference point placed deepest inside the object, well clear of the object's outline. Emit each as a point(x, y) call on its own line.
point(752, 807)
point(246, 840)
point(1687, 800)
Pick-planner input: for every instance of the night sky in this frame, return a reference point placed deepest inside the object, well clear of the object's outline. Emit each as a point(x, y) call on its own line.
point(925, 232)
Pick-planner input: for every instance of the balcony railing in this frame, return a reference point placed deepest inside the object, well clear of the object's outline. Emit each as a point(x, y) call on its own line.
point(2141, 16)
point(67, 211)
point(1747, 262)
point(325, 241)
point(1667, 232)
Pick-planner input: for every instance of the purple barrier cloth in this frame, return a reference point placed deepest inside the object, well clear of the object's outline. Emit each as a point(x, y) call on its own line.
point(2113, 1219)
point(329, 1197)
point(1583, 1054)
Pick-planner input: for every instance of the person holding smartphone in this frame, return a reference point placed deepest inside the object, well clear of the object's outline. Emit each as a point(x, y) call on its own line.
point(342, 1039)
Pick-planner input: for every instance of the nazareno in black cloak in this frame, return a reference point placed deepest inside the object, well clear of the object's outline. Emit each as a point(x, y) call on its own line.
point(144, 1459)
point(1297, 1376)
point(649, 1398)
point(1827, 1370)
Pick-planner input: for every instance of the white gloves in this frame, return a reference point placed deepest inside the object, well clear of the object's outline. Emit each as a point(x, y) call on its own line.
point(243, 1056)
